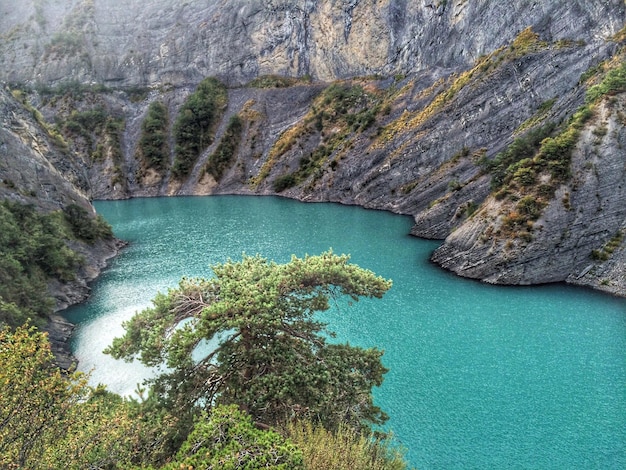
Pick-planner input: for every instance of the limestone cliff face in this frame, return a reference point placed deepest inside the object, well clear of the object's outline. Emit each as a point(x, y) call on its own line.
point(148, 42)
point(571, 239)
point(444, 87)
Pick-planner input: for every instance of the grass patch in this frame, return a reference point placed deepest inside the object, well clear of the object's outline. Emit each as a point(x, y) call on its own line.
point(604, 253)
point(344, 449)
point(272, 81)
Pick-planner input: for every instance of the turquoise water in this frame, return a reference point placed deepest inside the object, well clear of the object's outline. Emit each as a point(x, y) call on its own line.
point(481, 377)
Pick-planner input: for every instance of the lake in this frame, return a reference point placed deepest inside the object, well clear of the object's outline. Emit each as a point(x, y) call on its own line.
point(480, 376)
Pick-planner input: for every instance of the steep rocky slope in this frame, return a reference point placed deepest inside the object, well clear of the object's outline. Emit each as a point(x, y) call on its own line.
point(35, 169)
point(446, 88)
point(578, 236)
point(28, 175)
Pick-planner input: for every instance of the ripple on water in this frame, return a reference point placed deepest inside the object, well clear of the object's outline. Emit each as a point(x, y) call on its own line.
point(480, 376)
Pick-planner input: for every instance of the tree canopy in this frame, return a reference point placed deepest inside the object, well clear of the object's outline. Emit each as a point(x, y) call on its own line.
point(269, 354)
point(194, 123)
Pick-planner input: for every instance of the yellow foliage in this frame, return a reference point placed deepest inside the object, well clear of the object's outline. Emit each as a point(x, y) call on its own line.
point(343, 449)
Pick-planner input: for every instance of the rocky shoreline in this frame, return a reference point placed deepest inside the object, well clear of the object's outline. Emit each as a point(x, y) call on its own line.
point(58, 328)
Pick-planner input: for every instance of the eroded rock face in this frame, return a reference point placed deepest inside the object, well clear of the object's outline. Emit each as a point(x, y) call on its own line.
point(139, 42)
point(571, 236)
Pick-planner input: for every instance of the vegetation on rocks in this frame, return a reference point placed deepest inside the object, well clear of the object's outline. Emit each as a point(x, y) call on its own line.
point(223, 156)
point(272, 81)
point(613, 82)
point(605, 252)
point(443, 92)
point(86, 227)
point(194, 126)
point(153, 143)
point(342, 111)
point(33, 250)
point(20, 93)
point(530, 170)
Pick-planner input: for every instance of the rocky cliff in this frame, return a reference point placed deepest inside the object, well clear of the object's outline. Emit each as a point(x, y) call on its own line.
point(394, 105)
point(35, 170)
point(147, 42)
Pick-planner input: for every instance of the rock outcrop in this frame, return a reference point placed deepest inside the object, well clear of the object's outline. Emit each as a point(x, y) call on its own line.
point(571, 239)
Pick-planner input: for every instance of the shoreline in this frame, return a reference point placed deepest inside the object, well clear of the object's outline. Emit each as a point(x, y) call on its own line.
point(59, 329)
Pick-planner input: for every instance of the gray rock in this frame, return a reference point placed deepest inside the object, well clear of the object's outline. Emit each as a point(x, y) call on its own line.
point(134, 42)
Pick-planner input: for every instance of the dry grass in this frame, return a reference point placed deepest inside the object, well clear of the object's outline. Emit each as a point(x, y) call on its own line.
point(343, 449)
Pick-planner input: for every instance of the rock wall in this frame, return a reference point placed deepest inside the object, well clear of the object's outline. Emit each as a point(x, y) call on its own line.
point(573, 231)
point(151, 42)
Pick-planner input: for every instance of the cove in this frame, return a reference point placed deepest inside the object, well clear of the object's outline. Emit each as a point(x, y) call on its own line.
point(480, 376)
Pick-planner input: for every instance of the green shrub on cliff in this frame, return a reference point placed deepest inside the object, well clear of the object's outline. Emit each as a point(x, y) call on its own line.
point(613, 82)
point(153, 143)
point(86, 227)
point(222, 158)
point(502, 167)
point(33, 250)
point(193, 130)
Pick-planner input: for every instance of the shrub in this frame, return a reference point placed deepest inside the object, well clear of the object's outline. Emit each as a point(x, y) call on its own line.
point(524, 175)
point(196, 119)
point(613, 82)
point(86, 227)
point(284, 182)
point(223, 156)
point(526, 42)
point(153, 143)
point(530, 207)
point(228, 439)
point(522, 148)
point(604, 253)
